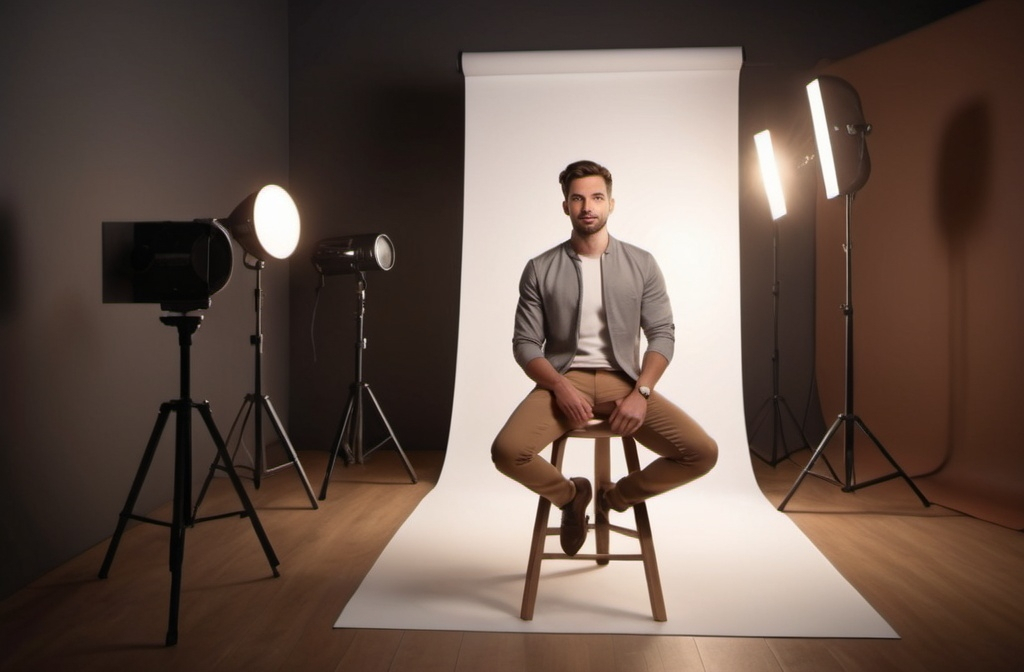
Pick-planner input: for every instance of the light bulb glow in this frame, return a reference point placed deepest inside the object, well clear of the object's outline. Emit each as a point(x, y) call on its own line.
point(770, 174)
point(276, 220)
point(822, 139)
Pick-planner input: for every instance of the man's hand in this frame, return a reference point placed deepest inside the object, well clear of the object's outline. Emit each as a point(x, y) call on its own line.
point(569, 400)
point(631, 410)
point(629, 414)
point(575, 406)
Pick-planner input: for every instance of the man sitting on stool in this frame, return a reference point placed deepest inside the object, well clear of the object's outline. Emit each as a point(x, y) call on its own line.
point(581, 307)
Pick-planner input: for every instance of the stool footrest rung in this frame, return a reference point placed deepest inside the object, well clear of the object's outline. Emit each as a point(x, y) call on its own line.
point(593, 556)
point(624, 531)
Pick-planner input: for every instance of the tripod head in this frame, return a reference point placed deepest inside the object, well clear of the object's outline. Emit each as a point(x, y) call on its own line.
point(183, 321)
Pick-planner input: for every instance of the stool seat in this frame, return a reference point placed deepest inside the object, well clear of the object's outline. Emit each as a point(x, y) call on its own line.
point(601, 433)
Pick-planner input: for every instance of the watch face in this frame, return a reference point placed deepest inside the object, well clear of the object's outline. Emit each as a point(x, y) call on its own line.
point(645, 392)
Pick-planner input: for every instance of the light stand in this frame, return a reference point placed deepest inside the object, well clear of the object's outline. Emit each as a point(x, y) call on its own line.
point(182, 515)
point(772, 180)
point(776, 402)
point(350, 432)
point(840, 134)
point(848, 419)
point(255, 404)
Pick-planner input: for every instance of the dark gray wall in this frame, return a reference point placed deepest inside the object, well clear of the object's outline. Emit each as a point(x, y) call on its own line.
point(377, 145)
point(121, 110)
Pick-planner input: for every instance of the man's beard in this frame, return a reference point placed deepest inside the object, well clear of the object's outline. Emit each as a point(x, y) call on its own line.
point(586, 230)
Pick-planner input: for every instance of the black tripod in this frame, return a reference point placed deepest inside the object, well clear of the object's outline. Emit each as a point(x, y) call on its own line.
point(777, 402)
point(848, 419)
point(182, 516)
point(255, 404)
point(350, 432)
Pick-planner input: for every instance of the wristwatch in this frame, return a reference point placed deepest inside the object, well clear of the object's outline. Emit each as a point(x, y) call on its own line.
point(644, 391)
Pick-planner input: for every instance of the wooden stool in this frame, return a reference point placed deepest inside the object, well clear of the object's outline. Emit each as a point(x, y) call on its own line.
point(602, 435)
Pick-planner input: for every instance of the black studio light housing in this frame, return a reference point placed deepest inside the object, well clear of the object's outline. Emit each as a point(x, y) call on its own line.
point(179, 265)
point(353, 254)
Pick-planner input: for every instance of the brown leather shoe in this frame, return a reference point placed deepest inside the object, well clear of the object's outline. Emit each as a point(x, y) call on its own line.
point(574, 517)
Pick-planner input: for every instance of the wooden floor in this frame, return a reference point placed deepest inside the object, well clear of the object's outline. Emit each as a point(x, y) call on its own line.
point(950, 585)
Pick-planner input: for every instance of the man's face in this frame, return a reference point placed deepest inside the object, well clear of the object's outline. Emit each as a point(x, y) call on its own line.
point(588, 204)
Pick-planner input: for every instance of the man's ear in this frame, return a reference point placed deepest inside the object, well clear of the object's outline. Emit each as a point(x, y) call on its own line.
point(565, 207)
point(611, 205)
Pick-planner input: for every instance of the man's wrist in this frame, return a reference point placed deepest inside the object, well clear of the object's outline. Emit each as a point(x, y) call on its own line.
point(644, 391)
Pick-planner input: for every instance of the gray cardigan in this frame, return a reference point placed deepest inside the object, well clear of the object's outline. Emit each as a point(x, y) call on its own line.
point(635, 298)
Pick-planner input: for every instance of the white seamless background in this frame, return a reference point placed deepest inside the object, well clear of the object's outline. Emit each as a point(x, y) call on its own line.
point(665, 123)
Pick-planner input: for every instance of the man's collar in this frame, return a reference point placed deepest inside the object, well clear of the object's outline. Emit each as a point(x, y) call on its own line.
point(571, 251)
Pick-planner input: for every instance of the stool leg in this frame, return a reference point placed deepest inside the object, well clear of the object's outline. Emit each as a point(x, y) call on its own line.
point(540, 533)
point(540, 526)
point(643, 528)
point(602, 475)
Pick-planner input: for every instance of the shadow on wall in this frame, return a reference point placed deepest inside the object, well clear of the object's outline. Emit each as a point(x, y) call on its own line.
point(963, 185)
point(8, 264)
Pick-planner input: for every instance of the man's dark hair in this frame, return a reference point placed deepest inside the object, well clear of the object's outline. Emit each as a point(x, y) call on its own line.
point(579, 169)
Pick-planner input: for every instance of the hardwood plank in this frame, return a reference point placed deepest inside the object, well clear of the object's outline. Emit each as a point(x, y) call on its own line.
point(729, 654)
point(427, 651)
point(566, 653)
point(655, 654)
point(371, 651)
point(804, 655)
point(678, 653)
point(493, 652)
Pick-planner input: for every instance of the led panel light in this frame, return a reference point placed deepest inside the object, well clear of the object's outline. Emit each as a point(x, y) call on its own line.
point(840, 135)
point(770, 174)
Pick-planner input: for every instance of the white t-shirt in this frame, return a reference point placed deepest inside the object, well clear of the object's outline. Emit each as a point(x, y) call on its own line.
point(595, 349)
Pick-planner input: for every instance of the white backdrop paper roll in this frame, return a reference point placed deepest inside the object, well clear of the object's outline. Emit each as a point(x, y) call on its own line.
point(599, 61)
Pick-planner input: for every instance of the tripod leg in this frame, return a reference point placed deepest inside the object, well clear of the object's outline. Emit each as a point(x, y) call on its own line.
point(250, 511)
point(776, 404)
point(759, 418)
point(814, 458)
point(899, 471)
point(133, 494)
point(339, 439)
point(180, 511)
point(807, 444)
point(206, 486)
point(778, 432)
point(293, 456)
point(246, 410)
point(398, 447)
point(243, 414)
point(796, 423)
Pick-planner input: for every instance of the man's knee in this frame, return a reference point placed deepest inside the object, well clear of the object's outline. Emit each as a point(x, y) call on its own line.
point(707, 456)
point(504, 455)
point(498, 454)
point(508, 455)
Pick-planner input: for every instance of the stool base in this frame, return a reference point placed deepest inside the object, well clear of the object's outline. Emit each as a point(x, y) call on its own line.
point(601, 526)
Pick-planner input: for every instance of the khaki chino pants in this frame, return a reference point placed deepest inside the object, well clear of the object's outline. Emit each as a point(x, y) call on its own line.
point(685, 450)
